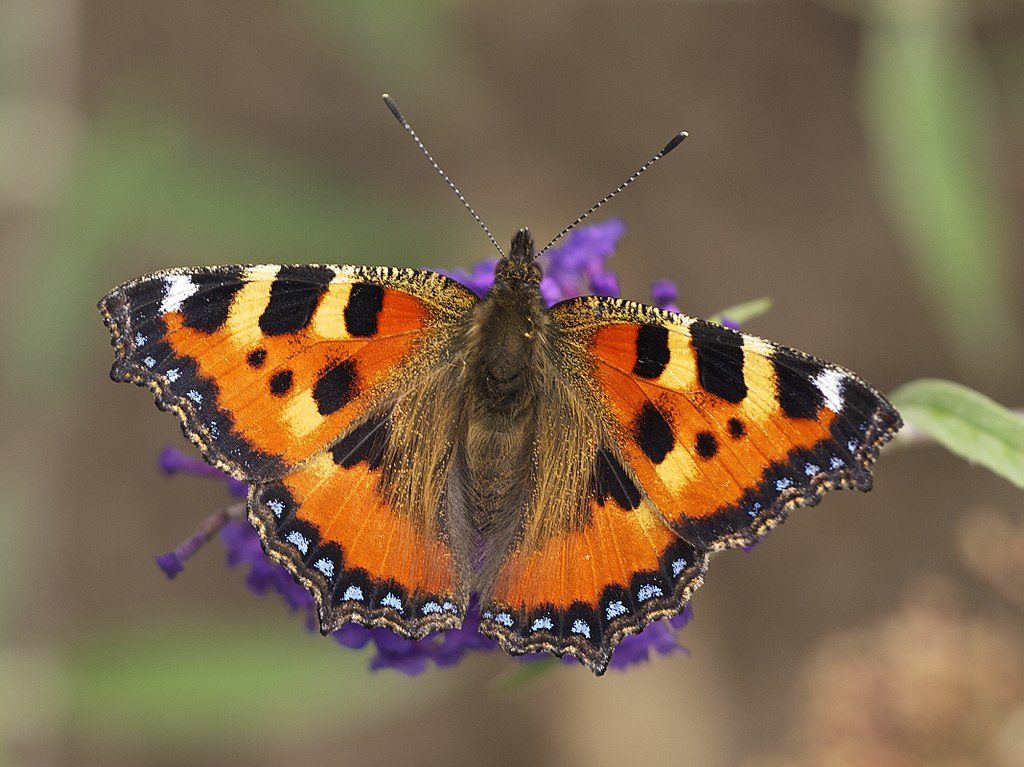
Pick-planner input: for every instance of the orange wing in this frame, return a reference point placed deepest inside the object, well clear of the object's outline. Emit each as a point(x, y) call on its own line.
point(724, 432)
point(364, 560)
point(582, 592)
point(267, 365)
point(287, 377)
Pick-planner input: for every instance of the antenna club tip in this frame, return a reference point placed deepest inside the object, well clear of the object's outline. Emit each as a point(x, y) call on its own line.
point(391, 105)
point(676, 141)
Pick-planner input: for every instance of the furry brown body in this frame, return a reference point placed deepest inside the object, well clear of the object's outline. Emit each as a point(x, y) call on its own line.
point(515, 424)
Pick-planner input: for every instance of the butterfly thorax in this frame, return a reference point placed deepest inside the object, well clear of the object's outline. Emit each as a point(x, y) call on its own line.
point(506, 332)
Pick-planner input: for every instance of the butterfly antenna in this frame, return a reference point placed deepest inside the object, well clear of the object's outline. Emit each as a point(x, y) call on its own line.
point(676, 141)
point(415, 137)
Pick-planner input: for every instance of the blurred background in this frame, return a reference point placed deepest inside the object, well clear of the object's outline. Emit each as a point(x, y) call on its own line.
point(860, 163)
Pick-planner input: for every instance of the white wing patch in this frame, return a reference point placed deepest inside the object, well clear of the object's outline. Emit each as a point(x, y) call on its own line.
point(830, 384)
point(177, 288)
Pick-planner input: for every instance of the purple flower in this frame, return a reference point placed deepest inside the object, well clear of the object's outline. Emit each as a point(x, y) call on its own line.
point(665, 293)
point(577, 267)
point(172, 461)
point(479, 280)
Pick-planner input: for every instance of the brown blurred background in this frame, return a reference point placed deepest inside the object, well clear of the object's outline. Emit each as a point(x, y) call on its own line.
point(859, 163)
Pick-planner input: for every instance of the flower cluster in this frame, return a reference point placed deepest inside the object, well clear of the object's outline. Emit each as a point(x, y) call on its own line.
point(578, 267)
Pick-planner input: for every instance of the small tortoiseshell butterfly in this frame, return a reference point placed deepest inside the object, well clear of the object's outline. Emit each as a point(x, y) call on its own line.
point(408, 444)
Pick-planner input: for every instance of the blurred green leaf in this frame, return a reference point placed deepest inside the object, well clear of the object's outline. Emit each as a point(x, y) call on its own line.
point(399, 43)
point(745, 312)
point(967, 423)
point(526, 672)
point(145, 184)
point(930, 115)
point(191, 685)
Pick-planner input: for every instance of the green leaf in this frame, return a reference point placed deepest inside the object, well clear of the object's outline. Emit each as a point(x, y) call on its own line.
point(745, 312)
point(967, 423)
point(931, 118)
point(526, 673)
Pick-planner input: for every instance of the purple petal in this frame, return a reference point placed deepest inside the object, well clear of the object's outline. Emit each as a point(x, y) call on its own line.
point(353, 636)
point(411, 664)
point(170, 563)
point(173, 461)
point(244, 548)
point(479, 280)
point(550, 291)
point(582, 255)
point(636, 648)
point(678, 621)
point(664, 294)
point(604, 284)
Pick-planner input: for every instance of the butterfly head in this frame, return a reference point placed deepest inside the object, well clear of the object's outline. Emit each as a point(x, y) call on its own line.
point(520, 266)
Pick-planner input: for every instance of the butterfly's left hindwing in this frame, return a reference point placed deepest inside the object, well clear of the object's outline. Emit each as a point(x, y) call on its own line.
point(724, 432)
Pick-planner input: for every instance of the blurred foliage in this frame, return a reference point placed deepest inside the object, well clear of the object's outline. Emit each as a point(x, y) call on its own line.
point(743, 313)
point(396, 39)
point(931, 684)
point(966, 423)
point(524, 673)
point(194, 686)
point(930, 113)
point(141, 178)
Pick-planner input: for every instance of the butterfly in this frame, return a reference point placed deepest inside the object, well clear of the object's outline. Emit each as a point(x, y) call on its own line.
point(410, 446)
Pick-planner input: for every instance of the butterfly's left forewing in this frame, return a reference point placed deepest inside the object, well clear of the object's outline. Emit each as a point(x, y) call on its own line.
point(725, 432)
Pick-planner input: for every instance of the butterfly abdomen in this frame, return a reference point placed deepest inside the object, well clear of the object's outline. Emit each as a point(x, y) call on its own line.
point(502, 397)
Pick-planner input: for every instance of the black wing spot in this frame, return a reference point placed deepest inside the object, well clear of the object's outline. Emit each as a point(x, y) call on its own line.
point(294, 297)
point(799, 395)
point(737, 428)
point(707, 445)
point(256, 358)
point(652, 352)
point(367, 442)
point(611, 480)
point(653, 433)
point(281, 383)
point(207, 308)
point(364, 304)
point(336, 387)
point(719, 354)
